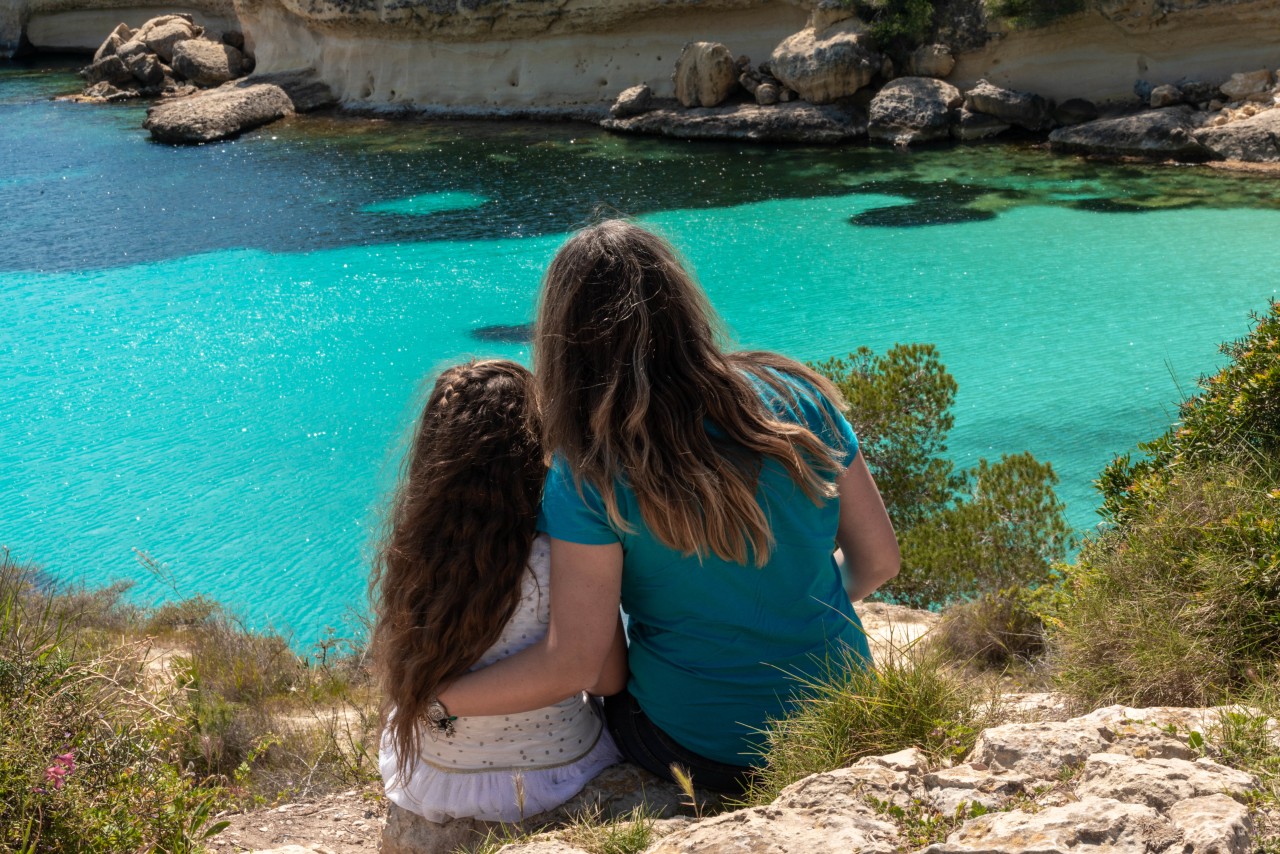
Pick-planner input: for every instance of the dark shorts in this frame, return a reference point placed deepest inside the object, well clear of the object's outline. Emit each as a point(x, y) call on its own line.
point(643, 743)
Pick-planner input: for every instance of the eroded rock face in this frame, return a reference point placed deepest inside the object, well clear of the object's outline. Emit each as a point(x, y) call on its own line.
point(1255, 139)
point(1039, 750)
point(1164, 134)
point(1159, 783)
point(825, 65)
point(912, 110)
point(1214, 824)
point(705, 74)
point(217, 114)
point(207, 63)
point(1024, 109)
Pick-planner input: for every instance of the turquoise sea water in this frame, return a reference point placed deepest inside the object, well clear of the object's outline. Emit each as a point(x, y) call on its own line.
point(212, 354)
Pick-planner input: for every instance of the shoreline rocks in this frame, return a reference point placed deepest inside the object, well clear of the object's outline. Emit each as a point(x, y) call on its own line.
point(234, 108)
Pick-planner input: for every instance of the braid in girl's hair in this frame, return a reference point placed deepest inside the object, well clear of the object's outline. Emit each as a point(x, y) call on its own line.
point(448, 574)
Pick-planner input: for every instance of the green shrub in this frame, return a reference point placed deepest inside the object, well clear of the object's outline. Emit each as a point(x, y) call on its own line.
point(897, 23)
point(1181, 604)
point(910, 699)
point(1034, 13)
point(1236, 412)
point(122, 728)
point(1179, 601)
point(85, 762)
point(962, 534)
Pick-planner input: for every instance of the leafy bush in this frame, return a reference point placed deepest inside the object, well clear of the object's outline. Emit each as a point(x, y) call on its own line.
point(963, 534)
point(1179, 602)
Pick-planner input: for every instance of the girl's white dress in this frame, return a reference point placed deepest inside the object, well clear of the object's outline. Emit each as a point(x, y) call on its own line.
point(508, 767)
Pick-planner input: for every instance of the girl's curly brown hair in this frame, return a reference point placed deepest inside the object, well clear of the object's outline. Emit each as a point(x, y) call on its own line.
point(447, 576)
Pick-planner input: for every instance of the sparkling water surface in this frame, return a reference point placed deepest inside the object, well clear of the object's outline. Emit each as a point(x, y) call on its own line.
point(212, 354)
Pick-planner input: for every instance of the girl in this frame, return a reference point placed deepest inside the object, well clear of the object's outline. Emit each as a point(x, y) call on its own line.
point(460, 582)
point(705, 490)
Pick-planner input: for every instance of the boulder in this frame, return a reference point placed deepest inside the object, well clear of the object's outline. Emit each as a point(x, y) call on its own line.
point(216, 114)
point(1157, 134)
point(632, 102)
point(1165, 96)
point(791, 122)
point(1090, 824)
point(111, 69)
point(207, 63)
point(235, 38)
point(1255, 139)
point(971, 126)
point(913, 110)
point(162, 38)
point(121, 34)
point(705, 74)
point(132, 47)
point(931, 60)
point(828, 64)
point(146, 69)
point(1246, 83)
point(1074, 111)
point(1197, 91)
point(1023, 109)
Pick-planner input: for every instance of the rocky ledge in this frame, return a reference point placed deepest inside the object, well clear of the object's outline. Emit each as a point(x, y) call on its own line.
point(1116, 780)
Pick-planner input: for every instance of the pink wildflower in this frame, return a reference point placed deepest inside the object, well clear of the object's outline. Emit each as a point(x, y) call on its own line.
point(56, 774)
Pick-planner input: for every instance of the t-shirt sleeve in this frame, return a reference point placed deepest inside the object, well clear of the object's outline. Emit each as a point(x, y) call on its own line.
point(573, 516)
point(843, 438)
point(828, 424)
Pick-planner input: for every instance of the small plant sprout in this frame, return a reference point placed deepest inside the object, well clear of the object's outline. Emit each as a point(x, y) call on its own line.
point(685, 781)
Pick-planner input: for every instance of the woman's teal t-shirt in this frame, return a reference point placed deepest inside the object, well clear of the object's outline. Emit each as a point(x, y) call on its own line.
point(718, 648)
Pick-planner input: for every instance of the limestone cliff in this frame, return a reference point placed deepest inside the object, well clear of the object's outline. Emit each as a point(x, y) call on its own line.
point(530, 54)
point(503, 53)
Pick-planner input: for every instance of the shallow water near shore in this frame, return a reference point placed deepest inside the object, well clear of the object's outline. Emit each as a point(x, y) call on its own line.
point(212, 354)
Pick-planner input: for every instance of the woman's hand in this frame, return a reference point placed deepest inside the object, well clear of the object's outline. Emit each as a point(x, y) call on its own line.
point(586, 583)
point(865, 534)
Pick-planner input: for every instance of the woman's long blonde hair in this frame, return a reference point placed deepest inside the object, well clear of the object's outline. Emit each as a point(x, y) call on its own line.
point(634, 387)
point(449, 571)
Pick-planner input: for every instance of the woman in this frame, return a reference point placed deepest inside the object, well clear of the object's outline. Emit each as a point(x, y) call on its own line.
point(703, 490)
